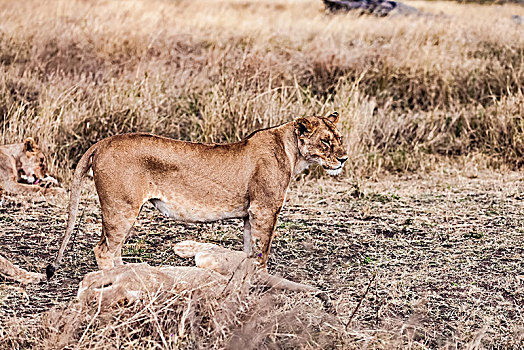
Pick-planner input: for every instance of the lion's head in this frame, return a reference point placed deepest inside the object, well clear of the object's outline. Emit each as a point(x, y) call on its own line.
point(320, 142)
point(33, 164)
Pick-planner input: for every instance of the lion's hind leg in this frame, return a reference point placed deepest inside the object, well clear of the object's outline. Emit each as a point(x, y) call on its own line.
point(116, 227)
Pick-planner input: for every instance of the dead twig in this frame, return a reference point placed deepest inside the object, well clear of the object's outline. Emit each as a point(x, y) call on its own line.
point(361, 299)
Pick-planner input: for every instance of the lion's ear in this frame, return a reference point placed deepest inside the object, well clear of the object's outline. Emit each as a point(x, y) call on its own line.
point(333, 117)
point(304, 126)
point(29, 145)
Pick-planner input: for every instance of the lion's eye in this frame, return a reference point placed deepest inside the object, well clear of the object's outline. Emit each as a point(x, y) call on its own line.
point(326, 142)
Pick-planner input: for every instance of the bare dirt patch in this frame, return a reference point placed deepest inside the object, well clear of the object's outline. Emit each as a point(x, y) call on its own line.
point(446, 253)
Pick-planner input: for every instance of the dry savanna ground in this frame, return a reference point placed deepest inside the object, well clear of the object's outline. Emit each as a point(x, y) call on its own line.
point(419, 243)
point(441, 258)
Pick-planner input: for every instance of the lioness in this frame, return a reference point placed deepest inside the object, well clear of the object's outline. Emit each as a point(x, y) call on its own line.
point(23, 169)
point(196, 182)
point(216, 269)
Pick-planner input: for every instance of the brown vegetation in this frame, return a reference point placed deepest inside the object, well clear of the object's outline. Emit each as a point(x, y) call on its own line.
point(421, 261)
point(408, 88)
point(201, 301)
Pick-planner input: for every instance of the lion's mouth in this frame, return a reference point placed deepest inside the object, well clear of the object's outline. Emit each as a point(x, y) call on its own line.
point(333, 171)
point(29, 180)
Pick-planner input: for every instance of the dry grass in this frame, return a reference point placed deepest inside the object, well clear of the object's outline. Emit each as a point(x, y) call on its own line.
point(445, 249)
point(252, 319)
point(409, 89)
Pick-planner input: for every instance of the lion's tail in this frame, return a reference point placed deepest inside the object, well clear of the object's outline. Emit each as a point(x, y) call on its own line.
point(83, 165)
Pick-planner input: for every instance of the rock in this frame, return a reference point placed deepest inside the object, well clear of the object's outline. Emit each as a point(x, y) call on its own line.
point(378, 8)
point(517, 19)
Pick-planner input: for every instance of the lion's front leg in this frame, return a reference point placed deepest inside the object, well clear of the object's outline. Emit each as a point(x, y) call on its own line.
point(249, 240)
point(10, 185)
point(18, 188)
point(262, 221)
point(11, 271)
point(267, 192)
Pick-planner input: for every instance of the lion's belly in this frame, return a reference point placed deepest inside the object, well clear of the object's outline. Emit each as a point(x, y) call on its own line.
point(192, 212)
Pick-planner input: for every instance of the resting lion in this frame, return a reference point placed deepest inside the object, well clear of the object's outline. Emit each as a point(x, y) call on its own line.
point(13, 272)
point(23, 169)
point(196, 182)
point(218, 270)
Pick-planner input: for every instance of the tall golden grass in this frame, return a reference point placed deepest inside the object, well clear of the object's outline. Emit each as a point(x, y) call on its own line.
point(409, 89)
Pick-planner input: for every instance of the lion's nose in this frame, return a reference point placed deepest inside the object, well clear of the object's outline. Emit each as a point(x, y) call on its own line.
point(342, 160)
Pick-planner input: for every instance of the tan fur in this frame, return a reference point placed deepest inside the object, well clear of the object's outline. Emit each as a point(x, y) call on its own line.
point(228, 262)
point(23, 169)
point(195, 182)
point(218, 271)
point(13, 272)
